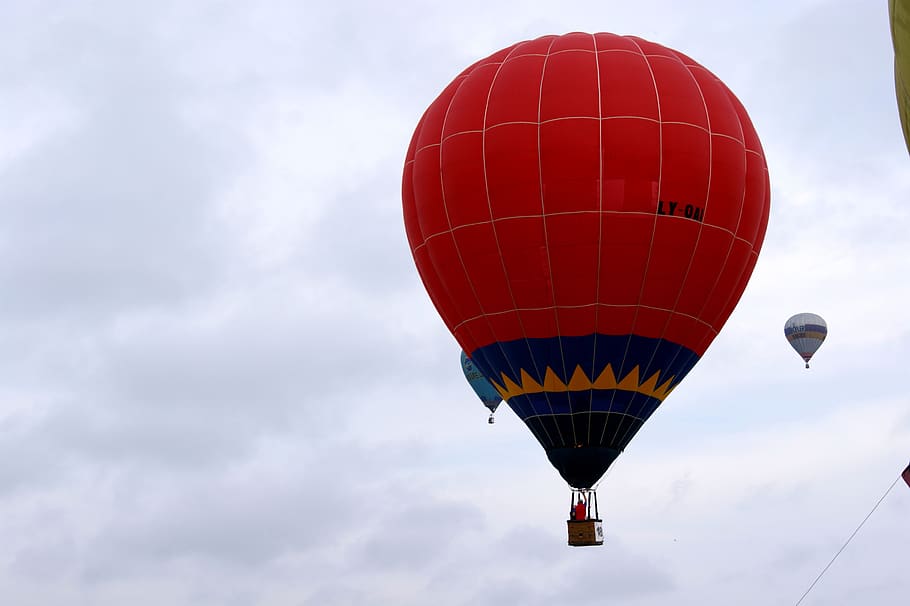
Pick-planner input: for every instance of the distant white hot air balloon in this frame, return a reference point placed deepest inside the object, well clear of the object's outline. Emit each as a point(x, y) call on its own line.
point(806, 332)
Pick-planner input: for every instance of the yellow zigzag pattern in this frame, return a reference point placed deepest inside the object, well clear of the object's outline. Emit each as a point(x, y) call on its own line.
point(581, 382)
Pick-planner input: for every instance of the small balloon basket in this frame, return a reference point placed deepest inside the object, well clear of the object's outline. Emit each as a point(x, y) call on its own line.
point(584, 523)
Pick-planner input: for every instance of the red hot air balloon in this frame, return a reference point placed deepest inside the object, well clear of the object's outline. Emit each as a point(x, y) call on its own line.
point(585, 212)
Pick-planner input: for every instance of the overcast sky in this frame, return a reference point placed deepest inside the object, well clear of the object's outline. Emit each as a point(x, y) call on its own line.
point(222, 382)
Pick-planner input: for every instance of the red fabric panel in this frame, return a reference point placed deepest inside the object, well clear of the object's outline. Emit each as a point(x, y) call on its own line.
point(606, 41)
point(624, 251)
point(651, 49)
point(572, 242)
point(651, 322)
point(626, 86)
point(685, 329)
point(452, 284)
point(686, 165)
point(570, 86)
point(631, 153)
point(575, 321)
point(515, 96)
point(539, 323)
point(469, 104)
point(538, 46)
point(731, 276)
point(765, 215)
point(433, 283)
point(505, 326)
point(680, 97)
point(463, 180)
point(479, 251)
point(513, 170)
point(426, 185)
point(753, 210)
point(570, 165)
point(737, 291)
point(572, 41)
point(728, 172)
point(669, 261)
point(722, 112)
point(524, 254)
point(430, 129)
point(707, 262)
point(616, 320)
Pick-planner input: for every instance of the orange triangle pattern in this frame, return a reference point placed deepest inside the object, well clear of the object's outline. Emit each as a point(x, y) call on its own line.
point(581, 382)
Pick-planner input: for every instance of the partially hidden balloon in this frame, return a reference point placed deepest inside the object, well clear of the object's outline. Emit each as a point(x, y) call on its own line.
point(806, 332)
point(481, 386)
point(899, 13)
point(585, 211)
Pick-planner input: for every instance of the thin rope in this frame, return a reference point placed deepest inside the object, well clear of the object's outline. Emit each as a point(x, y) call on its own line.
point(844, 546)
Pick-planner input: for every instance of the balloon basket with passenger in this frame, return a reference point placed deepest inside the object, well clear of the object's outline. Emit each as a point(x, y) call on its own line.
point(584, 523)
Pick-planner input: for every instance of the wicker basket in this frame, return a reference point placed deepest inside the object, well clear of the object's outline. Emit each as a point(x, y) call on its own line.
point(585, 532)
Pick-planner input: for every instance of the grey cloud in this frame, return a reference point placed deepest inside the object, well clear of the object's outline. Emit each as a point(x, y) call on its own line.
point(362, 238)
point(530, 545)
point(418, 535)
point(538, 570)
point(797, 557)
point(339, 593)
point(832, 64)
point(504, 588)
point(232, 521)
point(25, 463)
point(114, 213)
point(283, 499)
point(624, 575)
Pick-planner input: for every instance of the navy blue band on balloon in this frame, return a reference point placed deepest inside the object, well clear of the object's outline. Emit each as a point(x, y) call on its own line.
point(584, 398)
point(564, 356)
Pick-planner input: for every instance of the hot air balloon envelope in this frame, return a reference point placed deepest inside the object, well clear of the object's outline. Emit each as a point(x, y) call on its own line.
point(585, 211)
point(899, 11)
point(806, 332)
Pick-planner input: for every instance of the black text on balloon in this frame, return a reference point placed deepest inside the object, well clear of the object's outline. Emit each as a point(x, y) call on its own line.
point(673, 209)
